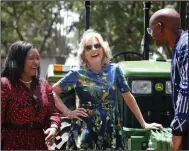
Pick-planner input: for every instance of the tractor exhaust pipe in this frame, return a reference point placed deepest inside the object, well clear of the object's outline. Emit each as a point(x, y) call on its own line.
point(87, 14)
point(145, 38)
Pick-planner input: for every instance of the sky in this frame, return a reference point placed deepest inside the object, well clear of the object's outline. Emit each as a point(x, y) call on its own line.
point(69, 18)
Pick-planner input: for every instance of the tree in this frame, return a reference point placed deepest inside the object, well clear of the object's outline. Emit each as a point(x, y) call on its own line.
point(120, 23)
point(35, 22)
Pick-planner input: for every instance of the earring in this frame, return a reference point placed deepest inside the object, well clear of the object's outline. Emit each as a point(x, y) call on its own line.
point(86, 63)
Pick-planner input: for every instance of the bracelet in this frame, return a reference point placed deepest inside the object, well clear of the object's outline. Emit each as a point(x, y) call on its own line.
point(69, 112)
point(54, 127)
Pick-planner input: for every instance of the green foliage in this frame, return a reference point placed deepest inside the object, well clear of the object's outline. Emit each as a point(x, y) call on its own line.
point(121, 23)
point(33, 21)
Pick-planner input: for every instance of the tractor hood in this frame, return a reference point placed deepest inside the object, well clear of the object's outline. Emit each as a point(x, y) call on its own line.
point(145, 68)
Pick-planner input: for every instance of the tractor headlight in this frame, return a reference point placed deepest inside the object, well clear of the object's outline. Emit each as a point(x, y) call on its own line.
point(141, 87)
point(168, 87)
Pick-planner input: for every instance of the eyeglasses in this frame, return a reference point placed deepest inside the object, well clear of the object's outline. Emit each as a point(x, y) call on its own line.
point(149, 30)
point(90, 47)
point(36, 103)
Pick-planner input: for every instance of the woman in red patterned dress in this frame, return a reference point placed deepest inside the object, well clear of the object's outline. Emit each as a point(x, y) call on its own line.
point(29, 118)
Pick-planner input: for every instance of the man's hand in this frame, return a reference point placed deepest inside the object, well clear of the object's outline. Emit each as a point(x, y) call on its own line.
point(176, 143)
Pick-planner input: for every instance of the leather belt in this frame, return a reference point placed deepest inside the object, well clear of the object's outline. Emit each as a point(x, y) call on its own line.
point(31, 125)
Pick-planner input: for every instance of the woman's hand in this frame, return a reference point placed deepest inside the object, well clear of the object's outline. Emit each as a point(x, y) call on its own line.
point(152, 126)
point(77, 114)
point(51, 134)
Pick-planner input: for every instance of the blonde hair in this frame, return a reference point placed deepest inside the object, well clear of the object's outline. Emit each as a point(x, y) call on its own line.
point(87, 35)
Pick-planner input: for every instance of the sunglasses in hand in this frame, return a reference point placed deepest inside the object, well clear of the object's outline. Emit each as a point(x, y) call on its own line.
point(90, 47)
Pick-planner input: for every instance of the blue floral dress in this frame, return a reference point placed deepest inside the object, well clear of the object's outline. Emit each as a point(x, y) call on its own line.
point(97, 93)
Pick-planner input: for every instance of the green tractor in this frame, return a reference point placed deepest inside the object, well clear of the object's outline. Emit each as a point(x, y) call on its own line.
point(150, 84)
point(149, 81)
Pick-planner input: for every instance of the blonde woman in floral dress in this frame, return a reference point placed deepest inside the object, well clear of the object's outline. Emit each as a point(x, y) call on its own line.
point(96, 123)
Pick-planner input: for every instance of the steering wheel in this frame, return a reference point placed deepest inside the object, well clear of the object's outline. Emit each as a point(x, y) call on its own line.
point(126, 56)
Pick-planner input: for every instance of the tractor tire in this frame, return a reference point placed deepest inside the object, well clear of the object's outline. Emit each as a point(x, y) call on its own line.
point(69, 99)
point(62, 137)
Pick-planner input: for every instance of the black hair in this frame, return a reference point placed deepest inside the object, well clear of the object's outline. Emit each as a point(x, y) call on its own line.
point(15, 61)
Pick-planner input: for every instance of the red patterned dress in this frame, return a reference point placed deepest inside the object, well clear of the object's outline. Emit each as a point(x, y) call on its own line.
point(17, 107)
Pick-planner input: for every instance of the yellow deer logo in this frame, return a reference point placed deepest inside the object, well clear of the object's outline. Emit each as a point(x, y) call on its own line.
point(159, 87)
